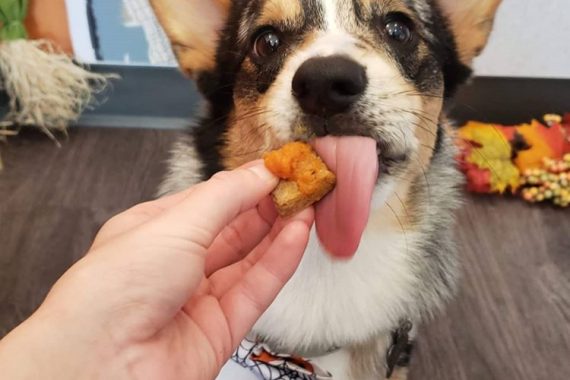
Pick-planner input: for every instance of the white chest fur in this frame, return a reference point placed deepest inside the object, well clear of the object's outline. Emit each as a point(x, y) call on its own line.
point(329, 303)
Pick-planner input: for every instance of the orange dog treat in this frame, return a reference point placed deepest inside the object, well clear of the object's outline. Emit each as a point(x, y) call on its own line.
point(305, 177)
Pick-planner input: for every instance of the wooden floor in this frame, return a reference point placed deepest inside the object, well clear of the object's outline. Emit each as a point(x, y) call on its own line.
point(510, 321)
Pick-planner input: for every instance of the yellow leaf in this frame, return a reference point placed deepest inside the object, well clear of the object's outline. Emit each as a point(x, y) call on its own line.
point(493, 153)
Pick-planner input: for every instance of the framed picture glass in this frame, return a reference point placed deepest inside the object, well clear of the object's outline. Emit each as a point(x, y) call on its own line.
point(123, 32)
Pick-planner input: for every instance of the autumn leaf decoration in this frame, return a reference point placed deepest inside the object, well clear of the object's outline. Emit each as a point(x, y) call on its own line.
point(488, 162)
point(511, 159)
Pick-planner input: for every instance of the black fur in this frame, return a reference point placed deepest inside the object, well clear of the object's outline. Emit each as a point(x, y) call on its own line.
point(218, 88)
point(455, 73)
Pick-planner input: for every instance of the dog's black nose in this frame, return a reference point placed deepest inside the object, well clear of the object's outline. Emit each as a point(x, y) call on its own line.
point(326, 86)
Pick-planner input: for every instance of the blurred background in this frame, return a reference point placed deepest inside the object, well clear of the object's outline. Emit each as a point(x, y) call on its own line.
point(122, 36)
point(530, 40)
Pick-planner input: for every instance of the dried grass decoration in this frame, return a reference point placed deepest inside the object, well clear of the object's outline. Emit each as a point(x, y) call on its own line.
point(45, 87)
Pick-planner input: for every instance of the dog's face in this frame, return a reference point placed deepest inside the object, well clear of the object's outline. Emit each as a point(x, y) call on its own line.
point(340, 68)
point(279, 70)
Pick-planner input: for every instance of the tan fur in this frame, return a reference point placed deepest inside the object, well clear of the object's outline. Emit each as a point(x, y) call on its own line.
point(281, 11)
point(367, 360)
point(400, 374)
point(472, 22)
point(426, 133)
point(247, 138)
point(193, 27)
point(387, 5)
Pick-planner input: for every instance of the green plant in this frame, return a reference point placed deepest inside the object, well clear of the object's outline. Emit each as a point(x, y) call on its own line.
point(12, 15)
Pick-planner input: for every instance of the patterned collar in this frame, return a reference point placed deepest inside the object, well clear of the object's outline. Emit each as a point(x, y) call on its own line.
point(268, 365)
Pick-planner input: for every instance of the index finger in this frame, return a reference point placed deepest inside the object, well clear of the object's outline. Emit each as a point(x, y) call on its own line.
point(137, 216)
point(203, 214)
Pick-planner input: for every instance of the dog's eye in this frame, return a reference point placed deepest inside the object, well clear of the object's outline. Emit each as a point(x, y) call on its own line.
point(398, 31)
point(266, 43)
point(398, 28)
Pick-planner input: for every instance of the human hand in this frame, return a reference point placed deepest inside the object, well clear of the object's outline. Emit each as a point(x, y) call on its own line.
point(169, 288)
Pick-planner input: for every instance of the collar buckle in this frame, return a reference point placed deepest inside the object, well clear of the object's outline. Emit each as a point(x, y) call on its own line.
point(400, 350)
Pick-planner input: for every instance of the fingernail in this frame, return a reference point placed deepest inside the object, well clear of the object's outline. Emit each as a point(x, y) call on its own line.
point(262, 172)
point(251, 164)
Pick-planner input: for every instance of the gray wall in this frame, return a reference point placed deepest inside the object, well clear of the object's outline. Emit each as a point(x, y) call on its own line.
point(531, 39)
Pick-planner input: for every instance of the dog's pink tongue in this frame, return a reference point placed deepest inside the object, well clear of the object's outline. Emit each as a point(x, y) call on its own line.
point(342, 216)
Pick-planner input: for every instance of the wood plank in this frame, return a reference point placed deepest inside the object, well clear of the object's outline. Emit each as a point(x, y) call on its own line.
point(511, 318)
point(53, 200)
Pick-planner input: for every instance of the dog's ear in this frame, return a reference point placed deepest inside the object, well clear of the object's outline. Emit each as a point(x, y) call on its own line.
point(471, 22)
point(194, 28)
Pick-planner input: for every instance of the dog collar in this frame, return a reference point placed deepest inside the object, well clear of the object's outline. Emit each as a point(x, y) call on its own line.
point(268, 365)
point(400, 351)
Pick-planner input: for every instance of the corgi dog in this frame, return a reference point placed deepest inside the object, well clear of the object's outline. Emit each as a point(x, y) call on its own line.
point(369, 81)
